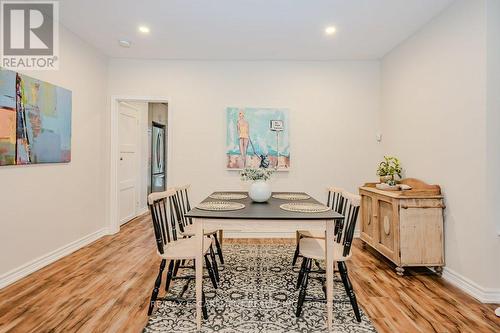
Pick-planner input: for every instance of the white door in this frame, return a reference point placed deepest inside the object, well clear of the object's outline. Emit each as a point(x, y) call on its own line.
point(128, 128)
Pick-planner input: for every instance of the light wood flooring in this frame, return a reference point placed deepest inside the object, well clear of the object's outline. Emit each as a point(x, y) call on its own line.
point(105, 287)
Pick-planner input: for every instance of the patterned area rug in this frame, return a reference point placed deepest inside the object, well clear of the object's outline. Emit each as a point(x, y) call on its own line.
point(257, 294)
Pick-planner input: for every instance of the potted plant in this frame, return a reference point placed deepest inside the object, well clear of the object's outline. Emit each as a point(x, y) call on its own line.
point(260, 190)
point(388, 169)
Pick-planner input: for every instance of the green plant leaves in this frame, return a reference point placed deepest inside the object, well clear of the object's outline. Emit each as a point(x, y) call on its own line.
point(390, 166)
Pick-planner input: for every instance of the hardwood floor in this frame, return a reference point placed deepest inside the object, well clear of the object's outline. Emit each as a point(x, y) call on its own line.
point(105, 287)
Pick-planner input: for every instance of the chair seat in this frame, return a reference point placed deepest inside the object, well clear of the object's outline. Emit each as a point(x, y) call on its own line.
point(315, 249)
point(185, 248)
point(189, 231)
point(312, 233)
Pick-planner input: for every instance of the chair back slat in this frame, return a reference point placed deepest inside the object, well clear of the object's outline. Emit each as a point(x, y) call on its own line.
point(188, 205)
point(351, 203)
point(163, 206)
point(173, 217)
point(182, 197)
point(335, 199)
point(158, 230)
point(336, 202)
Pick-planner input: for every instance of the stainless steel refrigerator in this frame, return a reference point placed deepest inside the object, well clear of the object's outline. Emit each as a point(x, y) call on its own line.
point(158, 157)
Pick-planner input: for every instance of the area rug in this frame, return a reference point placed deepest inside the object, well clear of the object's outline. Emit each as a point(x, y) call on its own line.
point(257, 294)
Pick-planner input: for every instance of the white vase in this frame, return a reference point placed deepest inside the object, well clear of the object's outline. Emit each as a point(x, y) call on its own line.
point(260, 191)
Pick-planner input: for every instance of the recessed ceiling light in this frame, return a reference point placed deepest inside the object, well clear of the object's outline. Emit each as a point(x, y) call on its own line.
point(330, 30)
point(144, 29)
point(124, 43)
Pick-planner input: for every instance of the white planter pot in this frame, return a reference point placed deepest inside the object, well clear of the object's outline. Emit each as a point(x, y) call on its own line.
point(260, 191)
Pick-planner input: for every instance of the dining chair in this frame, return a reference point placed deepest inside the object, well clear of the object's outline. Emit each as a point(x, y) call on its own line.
point(186, 225)
point(172, 248)
point(314, 249)
point(336, 202)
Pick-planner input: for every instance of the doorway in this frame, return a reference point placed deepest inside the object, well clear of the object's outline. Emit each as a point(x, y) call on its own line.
point(157, 179)
point(158, 130)
point(140, 140)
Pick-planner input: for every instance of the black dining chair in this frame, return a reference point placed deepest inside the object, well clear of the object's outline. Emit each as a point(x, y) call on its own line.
point(163, 207)
point(314, 249)
point(334, 201)
point(186, 225)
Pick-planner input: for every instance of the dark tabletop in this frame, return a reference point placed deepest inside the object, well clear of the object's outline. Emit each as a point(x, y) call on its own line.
point(269, 210)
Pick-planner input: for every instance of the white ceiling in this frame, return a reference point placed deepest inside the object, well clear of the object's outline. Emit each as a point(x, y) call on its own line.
point(248, 29)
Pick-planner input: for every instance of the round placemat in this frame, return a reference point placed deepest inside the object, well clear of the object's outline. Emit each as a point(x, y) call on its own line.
point(220, 205)
point(228, 196)
point(304, 207)
point(291, 196)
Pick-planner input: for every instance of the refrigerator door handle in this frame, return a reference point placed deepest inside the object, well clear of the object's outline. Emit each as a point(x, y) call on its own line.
point(158, 150)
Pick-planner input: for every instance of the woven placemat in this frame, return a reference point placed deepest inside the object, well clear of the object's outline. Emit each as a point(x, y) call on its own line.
point(220, 205)
point(228, 196)
point(291, 196)
point(304, 207)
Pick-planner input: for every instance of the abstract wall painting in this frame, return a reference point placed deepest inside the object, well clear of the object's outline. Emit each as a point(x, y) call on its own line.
point(257, 138)
point(7, 117)
point(35, 121)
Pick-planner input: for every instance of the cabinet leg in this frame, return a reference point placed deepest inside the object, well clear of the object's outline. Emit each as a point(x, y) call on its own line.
point(400, 271)
point(439, 270)
point(363, 245)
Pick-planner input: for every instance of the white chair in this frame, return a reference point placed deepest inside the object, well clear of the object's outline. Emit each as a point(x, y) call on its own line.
point(335, 202)
point(186, 225)
point(314, 249)
point(163, 207)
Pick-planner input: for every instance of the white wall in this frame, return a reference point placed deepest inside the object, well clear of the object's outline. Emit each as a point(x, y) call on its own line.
point(434, 117)
point(46, 207)
point(493, 111)
point(333, 111)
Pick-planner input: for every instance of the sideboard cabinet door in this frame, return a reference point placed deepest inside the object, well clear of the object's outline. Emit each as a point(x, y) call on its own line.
point(422, 232)
point(388, 229)
point(367, 220)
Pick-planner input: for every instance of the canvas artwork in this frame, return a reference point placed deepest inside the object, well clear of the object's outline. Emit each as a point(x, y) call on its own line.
point(35, 121)
point(257, 137)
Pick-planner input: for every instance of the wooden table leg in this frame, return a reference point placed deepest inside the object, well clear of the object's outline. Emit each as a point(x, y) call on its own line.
point(221, 236)
point(199, 270)
point(329, 240)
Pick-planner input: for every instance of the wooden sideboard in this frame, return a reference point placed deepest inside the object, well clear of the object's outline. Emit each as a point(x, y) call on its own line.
point(404, 226)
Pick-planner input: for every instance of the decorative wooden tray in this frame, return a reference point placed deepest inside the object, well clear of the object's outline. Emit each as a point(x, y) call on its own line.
point(304, 207)
point(220, 205)
point(419, 189)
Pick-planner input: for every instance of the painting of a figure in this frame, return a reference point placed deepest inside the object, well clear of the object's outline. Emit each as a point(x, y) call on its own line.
point(257, 137)
point(35, 121)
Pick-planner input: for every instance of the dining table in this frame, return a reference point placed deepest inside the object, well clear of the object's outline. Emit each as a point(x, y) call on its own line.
point(264, 217)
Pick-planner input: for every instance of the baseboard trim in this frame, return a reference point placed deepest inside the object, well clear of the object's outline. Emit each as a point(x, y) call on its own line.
point(142, 211)
point(483, 295)
point(38, 263)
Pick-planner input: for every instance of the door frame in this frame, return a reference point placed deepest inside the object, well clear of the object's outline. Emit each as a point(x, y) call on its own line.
point(113, 216)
